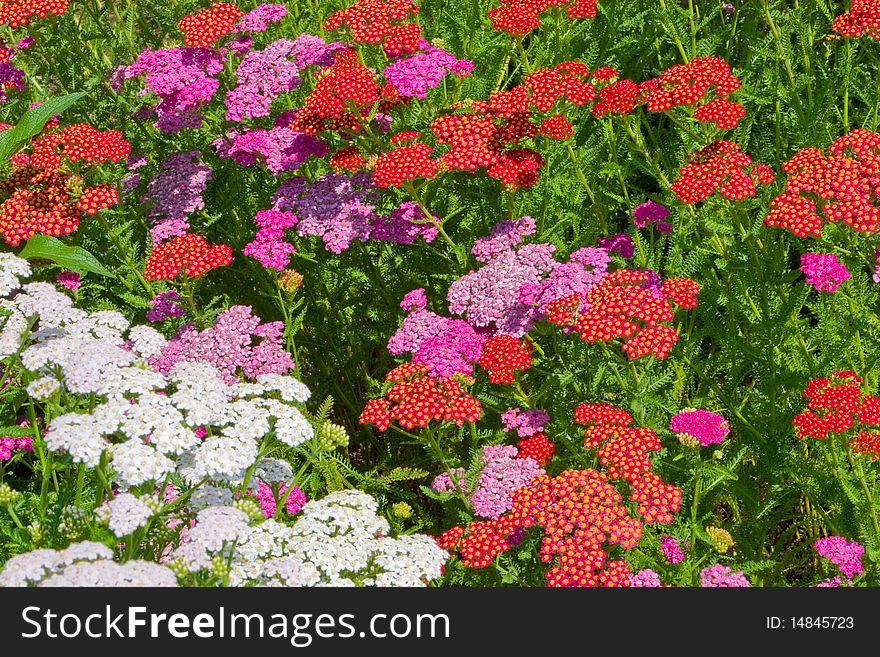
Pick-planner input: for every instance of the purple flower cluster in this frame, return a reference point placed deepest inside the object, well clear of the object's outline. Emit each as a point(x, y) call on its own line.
point(846, 555)
point(502, 474)
point(621, 243)
point(279, 149)
point(269, 246)
point(336, 207)
point(262, 76)
point(237, 340)
point(10, 78)
point(585, 268)
point(258, 19)
point(312, 50)
point(405, 223)
point(163, 306)
point(646, 578)
point(707, 427)
point(823, 271)
point(414, 75)
point(504, 236)
point(526, 423)
point(181, 78)
point(489, 295)
point(671, 549)
point(176, 190)
point(721, 576)
point(650, 212)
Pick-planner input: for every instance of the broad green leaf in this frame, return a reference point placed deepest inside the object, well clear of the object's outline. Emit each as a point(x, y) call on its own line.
point(74, 258)
point(32, 122)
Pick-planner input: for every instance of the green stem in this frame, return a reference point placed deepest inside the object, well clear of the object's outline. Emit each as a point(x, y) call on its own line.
point(14, 516)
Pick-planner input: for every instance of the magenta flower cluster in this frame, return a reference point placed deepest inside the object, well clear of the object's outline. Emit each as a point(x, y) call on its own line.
point(237, 342)
point(10, 444)
point(671, 549)
point(446, 346)
point(269, 246)
point(163, 306)
point(651, 213)
point(269, 503)
point(502, 473)
point(279, 149)
point(414, 75)
point(824, 271)
point(846, 555)
point(718, 576)
point(707, 427)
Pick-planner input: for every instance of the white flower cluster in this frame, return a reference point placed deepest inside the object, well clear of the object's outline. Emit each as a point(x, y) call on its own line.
point(126, 513)
point(82, 564)
point(145, 421)
point(338, 541)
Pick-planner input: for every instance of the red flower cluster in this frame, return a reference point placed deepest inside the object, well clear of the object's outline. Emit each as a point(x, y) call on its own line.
point(380, 21)
point(536, 447)
point(207, 26)
point(341, 98)
point(415, 399)
point(839, 398)
point(17, 13)
point(840, 186)
point(623, 451)
point(623, 305)
point(347, 158)
point(862, 18)
point(688, 84)
point(579, 513)
point(404, 163)
point(866, 442)
point(483, 136)
point(502, 355)
point(519, 17)
point(44, 196)
point(186, 254)
point(719, 167)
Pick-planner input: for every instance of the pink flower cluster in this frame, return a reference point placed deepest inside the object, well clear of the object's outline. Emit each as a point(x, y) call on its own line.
point(846, 555)
point(502, 474)
point(718, 576)
point(824, 271)
point(269, 246)
point(526, 423)
point(707, 427)
point(236, 341)
point(414, 75)
point(646, 578)
point(671, 549)
point(651, 213)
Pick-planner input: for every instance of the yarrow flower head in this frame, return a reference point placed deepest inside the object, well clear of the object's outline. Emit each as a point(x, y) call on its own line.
point(722, 576)
point(526, 423)
point(701, 425)
point(188, 255)
point(163, 306)
point(671, 549)
point(206, 27)
point(835, 404)
point(651, 213)
point(719, 167)
point(846, 555)
point(824, 271)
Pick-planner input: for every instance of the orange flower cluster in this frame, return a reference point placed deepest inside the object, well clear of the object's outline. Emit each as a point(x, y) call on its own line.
point(17, 13)
point(380, 21)
point(862, 18)
point(624, 305)
point(839, 186)
point(186, 254)
point(415, 399)
point(208, 26)
point(519, 17)
point(719, 167)
point(44, 190)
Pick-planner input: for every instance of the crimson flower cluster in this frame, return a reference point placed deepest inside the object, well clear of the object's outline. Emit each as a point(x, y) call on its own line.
point(519, 17)
point(862, 18)
point(416, 399)
point(719, 167)
point(836, 404)
point(18, 13)
point(380, 21)
point(206, 27)
point(840, 186)
point(625, 305)
point(502, 356)
point(45, 192)
point(187, 254)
